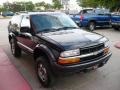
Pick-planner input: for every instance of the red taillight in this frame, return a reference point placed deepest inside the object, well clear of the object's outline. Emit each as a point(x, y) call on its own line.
point(81, 17)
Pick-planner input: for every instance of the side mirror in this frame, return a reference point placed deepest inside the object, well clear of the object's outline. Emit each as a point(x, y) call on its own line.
point(25, 29)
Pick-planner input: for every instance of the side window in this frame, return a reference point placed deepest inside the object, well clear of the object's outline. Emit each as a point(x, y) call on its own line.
point(25, 22)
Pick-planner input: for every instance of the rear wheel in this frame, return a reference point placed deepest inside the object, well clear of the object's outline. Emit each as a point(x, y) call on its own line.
point(15, 49)
point(44, 72)
point(91, 26)
point(116, 28)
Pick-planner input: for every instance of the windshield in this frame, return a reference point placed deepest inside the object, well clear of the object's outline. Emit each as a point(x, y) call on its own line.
point(85, 11)
point(50, 22)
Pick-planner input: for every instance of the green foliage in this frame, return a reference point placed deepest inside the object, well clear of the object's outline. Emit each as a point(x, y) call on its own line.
point(40, 4)
point(29, 6)
point(87, 3)
point(99, 3)
point(48, 6)
point(2, 9)
point(57, 4)
point(43, 4)
point(19, 6)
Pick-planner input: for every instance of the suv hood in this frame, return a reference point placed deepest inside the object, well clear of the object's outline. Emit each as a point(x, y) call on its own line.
point(72, 39)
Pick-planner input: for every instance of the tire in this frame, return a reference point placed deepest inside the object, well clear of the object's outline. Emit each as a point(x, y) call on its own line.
point(91, 26)
point(43, 67)
point(115, 28)
point(15, 49)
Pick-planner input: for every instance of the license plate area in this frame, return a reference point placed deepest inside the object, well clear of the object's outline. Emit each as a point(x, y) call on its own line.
point(93, 67)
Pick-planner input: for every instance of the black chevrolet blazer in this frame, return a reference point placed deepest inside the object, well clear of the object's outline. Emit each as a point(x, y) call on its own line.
point(57, 44)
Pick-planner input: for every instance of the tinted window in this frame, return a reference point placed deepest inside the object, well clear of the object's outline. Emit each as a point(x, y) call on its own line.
point(86, 11)
point(42, 22)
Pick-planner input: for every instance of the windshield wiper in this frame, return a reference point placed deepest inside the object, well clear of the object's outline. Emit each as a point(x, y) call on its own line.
point(57, 29)
point(48, 30)
point(68, 28)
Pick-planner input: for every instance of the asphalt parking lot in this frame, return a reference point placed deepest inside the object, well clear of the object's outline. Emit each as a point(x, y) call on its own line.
point(105, 78)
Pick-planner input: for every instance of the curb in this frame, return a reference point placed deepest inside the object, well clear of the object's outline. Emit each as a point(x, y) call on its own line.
point(10, 77)
point(117, 45)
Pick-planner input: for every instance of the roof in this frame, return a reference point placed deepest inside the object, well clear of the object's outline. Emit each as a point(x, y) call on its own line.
point(37, 13)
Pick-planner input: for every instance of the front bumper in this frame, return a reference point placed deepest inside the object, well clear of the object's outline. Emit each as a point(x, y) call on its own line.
point(63, 70)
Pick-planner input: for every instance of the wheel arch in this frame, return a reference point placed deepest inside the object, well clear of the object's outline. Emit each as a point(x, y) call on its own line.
point(92, 21)
point(42, 50)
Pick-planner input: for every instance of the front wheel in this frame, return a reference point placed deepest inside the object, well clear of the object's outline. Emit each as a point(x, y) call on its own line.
point(44, 72)
point(91, 26)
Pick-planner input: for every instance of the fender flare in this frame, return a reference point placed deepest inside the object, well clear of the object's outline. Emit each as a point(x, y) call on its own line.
point(46, 50)
point(10, 36)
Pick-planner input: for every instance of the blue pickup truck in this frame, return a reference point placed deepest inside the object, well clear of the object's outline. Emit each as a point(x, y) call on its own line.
point(115, 21)
point(92, 17)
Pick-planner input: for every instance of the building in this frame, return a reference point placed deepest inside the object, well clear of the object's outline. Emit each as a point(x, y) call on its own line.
point(70, 5)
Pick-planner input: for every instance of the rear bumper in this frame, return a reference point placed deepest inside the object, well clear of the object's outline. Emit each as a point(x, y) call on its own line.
point(115, 24)
point(63, 70)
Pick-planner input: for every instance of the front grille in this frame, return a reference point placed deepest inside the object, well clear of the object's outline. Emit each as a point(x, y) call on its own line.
point(91, 49)
point(92, 58)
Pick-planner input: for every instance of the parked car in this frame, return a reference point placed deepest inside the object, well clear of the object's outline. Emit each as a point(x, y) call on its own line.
point(57, 44)
point(7, 13)
point(115, 21)
point(91, 18)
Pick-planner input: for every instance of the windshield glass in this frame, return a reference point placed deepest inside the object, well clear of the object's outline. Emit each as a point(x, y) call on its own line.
point(50, 22)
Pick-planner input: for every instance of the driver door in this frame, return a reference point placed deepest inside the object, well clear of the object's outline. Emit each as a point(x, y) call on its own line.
point(25, 38)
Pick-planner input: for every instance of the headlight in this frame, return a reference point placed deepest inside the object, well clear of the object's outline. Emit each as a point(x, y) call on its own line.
point(105, 41)
point(70, 53)
point(107, 44)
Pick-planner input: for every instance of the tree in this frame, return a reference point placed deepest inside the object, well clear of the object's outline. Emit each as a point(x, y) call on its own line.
point(57, 4)
point(19, 6)
point(99, 3)
point(43, 4)
point(16, 7)
point(2, 9)
point(40, 4)
point(6, 6)
point(48, 6)
point(87, 3)
point(29, 6)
